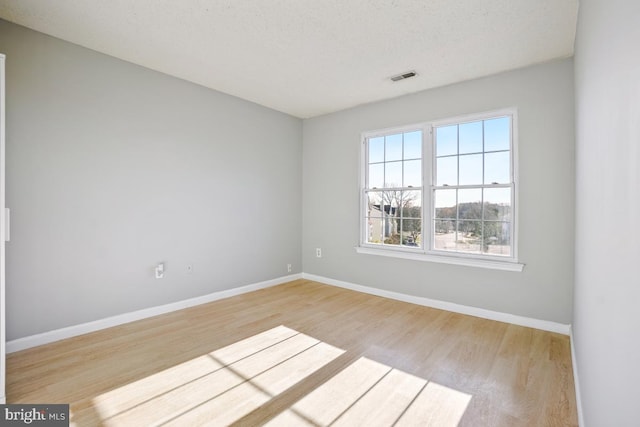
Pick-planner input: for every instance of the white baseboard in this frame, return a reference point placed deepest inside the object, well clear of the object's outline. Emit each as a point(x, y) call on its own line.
point(576, 381)
point(96, 325)
point(544, 325)
point(84, 328)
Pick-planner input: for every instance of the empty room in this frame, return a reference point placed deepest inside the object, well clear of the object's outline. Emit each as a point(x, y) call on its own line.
point(319, 213)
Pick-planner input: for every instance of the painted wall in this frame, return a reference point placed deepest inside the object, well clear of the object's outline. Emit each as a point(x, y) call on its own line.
point(113, 168)
point(543, 95)
point(607, 287)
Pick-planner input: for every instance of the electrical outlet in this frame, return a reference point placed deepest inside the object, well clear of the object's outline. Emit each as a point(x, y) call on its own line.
point(160, 271)
point(189, 269)
point(289, 268)
point(318, 252)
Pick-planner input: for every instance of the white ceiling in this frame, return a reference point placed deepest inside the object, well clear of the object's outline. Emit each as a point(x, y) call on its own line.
point(311, 57)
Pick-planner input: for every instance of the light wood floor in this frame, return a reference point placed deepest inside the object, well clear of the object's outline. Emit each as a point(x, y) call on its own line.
point(304, 353)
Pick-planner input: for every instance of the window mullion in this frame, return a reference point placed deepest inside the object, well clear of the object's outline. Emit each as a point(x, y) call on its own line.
point(364, 195)
point(471, 186)
point(482, 236)
point(457, 185)
point(431, 220)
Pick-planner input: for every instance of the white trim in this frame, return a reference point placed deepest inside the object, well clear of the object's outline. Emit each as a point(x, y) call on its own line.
point(96, 325)
point(472, 117)
point(529, 322)
point(3, 231)
point(576, 381)
point(455, 259)
point(515, 178)
point(393, 130)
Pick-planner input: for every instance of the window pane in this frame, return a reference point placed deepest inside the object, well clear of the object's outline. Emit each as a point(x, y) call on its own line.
point(376, 175)
point(445, 203)
point(391, 228)
point(374, 230)
point(411, 229)
point(392, 202)
point(471, 169)
point(411, 204)
point(374, 199)
point(470, 203)
point(497, 168)
point(374, 219)
point(393, 147)
point(447, 171)
point(384, 215)
point(447, 140)
point(469, 236)
point(393, 174)
point(497, 238)
point(413, 173)
point(376, 150)
point(497, 204)
point(471, 137)
point(444, 235)
point(497, 134)
point(413, 145)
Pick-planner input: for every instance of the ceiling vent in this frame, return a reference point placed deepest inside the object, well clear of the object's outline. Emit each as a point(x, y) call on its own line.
point(403, 76)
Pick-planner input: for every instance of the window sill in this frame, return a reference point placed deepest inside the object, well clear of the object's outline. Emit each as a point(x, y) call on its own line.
point(506, 265)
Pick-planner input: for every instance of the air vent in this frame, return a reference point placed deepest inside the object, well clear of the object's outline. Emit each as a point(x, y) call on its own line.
point(403, 76)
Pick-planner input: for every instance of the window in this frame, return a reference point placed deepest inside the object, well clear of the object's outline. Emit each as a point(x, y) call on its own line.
point(444, 189)
point(394, 189)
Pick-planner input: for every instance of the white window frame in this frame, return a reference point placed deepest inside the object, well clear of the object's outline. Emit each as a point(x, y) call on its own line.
point(426, 252)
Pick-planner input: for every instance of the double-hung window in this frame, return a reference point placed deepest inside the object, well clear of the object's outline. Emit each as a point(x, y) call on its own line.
point(442, 191)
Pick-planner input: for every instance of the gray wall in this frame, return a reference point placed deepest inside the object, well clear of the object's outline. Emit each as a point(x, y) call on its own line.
point(607, 287)
point(544, 97)
point(113, 168)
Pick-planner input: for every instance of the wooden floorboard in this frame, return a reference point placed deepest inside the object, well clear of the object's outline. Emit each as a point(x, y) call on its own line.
point(304, 353)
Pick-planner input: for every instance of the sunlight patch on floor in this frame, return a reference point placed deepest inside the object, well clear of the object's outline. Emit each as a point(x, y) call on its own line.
point(225, 385)
point(372, 394)
point(228, 383)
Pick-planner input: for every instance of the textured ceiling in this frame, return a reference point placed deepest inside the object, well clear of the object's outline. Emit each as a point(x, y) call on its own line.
point(310, 57)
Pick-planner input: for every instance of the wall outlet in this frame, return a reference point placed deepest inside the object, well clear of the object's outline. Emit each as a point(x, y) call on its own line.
point(318, 252)
point(289, 268)
point(160, 271)
point(189, 269)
